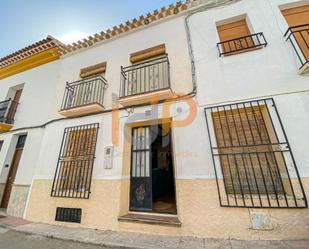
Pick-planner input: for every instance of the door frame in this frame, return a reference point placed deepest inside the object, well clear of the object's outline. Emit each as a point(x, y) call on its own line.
point(149, 124)
point(16, 149)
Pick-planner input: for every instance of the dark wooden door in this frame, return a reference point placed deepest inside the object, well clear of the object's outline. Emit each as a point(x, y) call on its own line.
point(141, 170)
point(11, 178)
point(13, 171)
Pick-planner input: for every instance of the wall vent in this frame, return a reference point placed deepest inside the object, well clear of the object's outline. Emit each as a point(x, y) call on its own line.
point(72, 215)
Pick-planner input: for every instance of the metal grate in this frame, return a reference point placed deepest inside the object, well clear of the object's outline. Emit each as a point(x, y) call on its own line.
point(252, 158)
point(72, 215)
point(84, 92)
point(7, 111)
point(149, 76)
point(74, 170)
point(299, 38)
point(242, 44)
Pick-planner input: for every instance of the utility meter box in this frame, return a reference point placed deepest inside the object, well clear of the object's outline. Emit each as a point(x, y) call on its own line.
point(108, 157)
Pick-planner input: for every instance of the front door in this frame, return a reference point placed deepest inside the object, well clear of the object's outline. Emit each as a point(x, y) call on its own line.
point(141, 181)
point(13, 171)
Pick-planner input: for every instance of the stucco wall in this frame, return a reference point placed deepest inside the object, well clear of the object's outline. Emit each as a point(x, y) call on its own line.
point(263, 72)
point(18, 200)
point(198, 210)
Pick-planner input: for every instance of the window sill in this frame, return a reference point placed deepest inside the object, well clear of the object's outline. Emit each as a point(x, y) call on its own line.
point(151, 219)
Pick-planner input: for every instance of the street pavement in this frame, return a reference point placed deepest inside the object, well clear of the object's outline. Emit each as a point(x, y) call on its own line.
point(15, 240)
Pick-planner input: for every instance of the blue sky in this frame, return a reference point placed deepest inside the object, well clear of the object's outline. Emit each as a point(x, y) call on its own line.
point(23, 22)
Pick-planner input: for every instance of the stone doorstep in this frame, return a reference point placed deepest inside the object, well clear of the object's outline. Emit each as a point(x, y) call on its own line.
point(151, 219)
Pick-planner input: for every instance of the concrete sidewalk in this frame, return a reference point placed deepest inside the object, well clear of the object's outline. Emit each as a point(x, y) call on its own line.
point(137, 240)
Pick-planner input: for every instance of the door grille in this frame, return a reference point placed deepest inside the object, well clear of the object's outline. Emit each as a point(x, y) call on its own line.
point(72, 215)
point(252, 158)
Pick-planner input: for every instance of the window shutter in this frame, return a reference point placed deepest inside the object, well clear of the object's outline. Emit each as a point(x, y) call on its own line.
point(147, 53)
point(74, 170)
point(297, 16)
point(97, 69)
point(235, 30)
point(242, 138)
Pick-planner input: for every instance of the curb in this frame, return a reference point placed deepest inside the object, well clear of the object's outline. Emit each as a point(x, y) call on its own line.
point(113, 245)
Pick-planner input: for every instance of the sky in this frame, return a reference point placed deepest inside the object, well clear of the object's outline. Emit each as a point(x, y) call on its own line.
point(23, 22)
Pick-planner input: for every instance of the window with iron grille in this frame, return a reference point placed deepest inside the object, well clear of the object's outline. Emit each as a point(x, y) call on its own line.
point(72, 215)
point(74, 170)
point(253, 161)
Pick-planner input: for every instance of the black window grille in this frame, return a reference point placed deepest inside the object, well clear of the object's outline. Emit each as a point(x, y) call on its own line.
point(252, 158)
point(72, 215)
point(242, 44)
point(145, 77)
point(7, 111)
point(74, 170)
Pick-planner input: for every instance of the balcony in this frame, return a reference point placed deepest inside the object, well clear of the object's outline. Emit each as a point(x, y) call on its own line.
point(242, 44)
point(299, 38)
point(145, 82)
point(7, 113)
point(82, 97)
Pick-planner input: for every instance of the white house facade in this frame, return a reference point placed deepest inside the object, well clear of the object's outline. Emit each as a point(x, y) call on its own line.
point(189, 121)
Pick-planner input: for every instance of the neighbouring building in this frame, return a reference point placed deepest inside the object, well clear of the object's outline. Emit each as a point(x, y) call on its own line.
point(191, 120)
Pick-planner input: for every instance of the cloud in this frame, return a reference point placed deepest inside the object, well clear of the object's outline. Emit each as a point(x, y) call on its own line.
point(72, 36)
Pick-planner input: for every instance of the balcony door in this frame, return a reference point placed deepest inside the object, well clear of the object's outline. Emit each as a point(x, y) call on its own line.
point(13, 106)
point(298, 20)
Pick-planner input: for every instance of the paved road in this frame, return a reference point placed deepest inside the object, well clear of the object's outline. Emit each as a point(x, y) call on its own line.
point(15, 240)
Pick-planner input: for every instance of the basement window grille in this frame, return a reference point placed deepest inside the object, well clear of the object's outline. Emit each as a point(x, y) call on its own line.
point(72, 215)
point(74, 170)
point(252, 158)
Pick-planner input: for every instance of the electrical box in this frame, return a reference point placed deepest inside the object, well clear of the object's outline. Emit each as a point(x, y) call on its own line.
point(108, 157)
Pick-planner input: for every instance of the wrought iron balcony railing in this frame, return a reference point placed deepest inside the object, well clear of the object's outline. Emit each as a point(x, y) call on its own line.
point(242, 44)
point(152, 75)
point(299, 38)
point(84, 92)
point(7, 111)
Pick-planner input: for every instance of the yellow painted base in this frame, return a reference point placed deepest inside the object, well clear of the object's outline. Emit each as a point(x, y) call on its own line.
point(5, 127)
point(198, 211)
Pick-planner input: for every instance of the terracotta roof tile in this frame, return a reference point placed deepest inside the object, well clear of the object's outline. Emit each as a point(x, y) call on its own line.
point(37, 47)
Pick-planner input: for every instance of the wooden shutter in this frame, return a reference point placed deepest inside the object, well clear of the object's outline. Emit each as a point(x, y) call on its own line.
point(295, 17)
point(97, 69)
point(246, 155)
point(147, 53)
point(74, 171)
point(235, 30)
